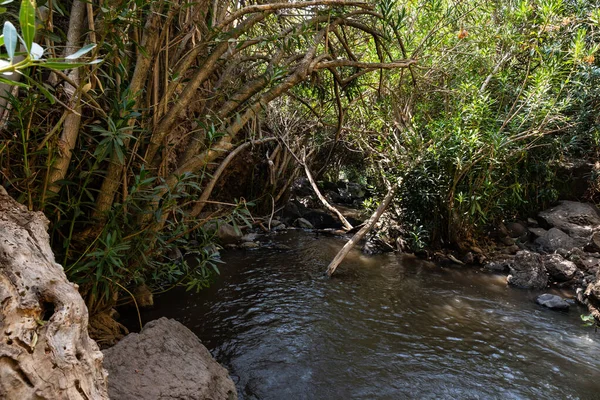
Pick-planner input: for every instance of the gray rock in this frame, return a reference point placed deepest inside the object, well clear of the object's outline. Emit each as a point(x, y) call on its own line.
point(303, 223)
point(538, 232)
point(516, 230)
point(532, 222)
point(511, 249)
point(554, 240)
point(279, 227)
point(250, 245)
point(558, 268)
point(527, 271)
point(224, 232)
point(501, 265)
point(578, 220)
point(552, 302)
point(250, 237)
point(165, 361)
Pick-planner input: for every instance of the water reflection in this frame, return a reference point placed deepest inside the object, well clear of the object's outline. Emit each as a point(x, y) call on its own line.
point(385, 327)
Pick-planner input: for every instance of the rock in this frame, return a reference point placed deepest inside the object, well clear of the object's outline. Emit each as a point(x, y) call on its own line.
point(250, 237)
point(228, 234)
point(468, 258)
point(511, 249)
point(303, 223)
point(576, 219)
point(584, 261)
point(375, 245)
point(224, 232)
point(355, 190)
point(558, 268)
point(593, 245)
point(320, 219)
point(532, 222)
point(554, 240)
point(500, 265)
point(249, 245)
point(165, 361)
point(275, 222)
point(143, 296)
point(516, 230)
point(538, 232)
point(280, 227)
point(301, 187)
point(527, 271)
point(552, 302)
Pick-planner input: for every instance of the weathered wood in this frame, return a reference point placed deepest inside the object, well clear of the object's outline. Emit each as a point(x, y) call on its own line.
point(45, 350)
point(324, 201)
point(362, 232)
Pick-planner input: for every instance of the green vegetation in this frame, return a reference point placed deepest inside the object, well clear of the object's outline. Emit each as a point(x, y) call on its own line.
point(471, 105)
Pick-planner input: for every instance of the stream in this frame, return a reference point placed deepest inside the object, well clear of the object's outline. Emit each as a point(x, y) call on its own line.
point(384, 327)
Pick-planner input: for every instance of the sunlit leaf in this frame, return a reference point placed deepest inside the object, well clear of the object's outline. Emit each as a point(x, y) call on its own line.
point(27, 21)
point(10, 39)
point(80, 52)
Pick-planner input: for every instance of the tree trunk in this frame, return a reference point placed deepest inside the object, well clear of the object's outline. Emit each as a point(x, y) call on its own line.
point(45, 350)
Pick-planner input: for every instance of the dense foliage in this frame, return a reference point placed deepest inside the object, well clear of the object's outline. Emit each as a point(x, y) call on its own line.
point(472, 105)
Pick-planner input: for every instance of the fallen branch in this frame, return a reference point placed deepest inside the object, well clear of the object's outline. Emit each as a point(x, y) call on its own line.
point(360, 234)
point(328, 206)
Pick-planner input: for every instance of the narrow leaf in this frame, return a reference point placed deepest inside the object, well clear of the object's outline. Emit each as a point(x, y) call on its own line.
point(13, 83)
point(61, 65)
point(27, 21)
point(80, 52)
point(42, 89)
point(10, 39)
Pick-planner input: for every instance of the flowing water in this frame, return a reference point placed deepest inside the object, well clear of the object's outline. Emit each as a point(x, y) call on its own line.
point(385, 327)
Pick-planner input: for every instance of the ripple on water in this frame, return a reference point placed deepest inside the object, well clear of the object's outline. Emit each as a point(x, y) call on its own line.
point(384, 328)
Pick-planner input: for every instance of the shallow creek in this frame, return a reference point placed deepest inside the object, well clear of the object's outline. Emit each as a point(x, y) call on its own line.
point(385, 327)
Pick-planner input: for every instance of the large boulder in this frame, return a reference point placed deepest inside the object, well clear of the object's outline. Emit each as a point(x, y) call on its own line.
point(578, 220)
point(527, 271)
point(554, 240)
point(165, 361)
point(224, 232)
point(558, 268)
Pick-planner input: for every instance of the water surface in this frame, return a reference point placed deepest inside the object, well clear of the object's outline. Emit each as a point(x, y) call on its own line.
point(385, 327)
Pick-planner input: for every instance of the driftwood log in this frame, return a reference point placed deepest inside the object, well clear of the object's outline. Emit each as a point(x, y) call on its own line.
point(45, 350)
point(362, 232)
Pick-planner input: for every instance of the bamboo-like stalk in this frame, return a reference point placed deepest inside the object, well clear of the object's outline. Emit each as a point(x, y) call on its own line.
point(72, 122)
point(217, 174)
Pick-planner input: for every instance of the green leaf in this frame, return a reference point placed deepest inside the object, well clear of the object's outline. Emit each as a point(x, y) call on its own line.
point(27, 21)
point(1, 40)
point(80, 52)
point(42, 89)
point(13, 83)
point(10, 39)
point(61, 65)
